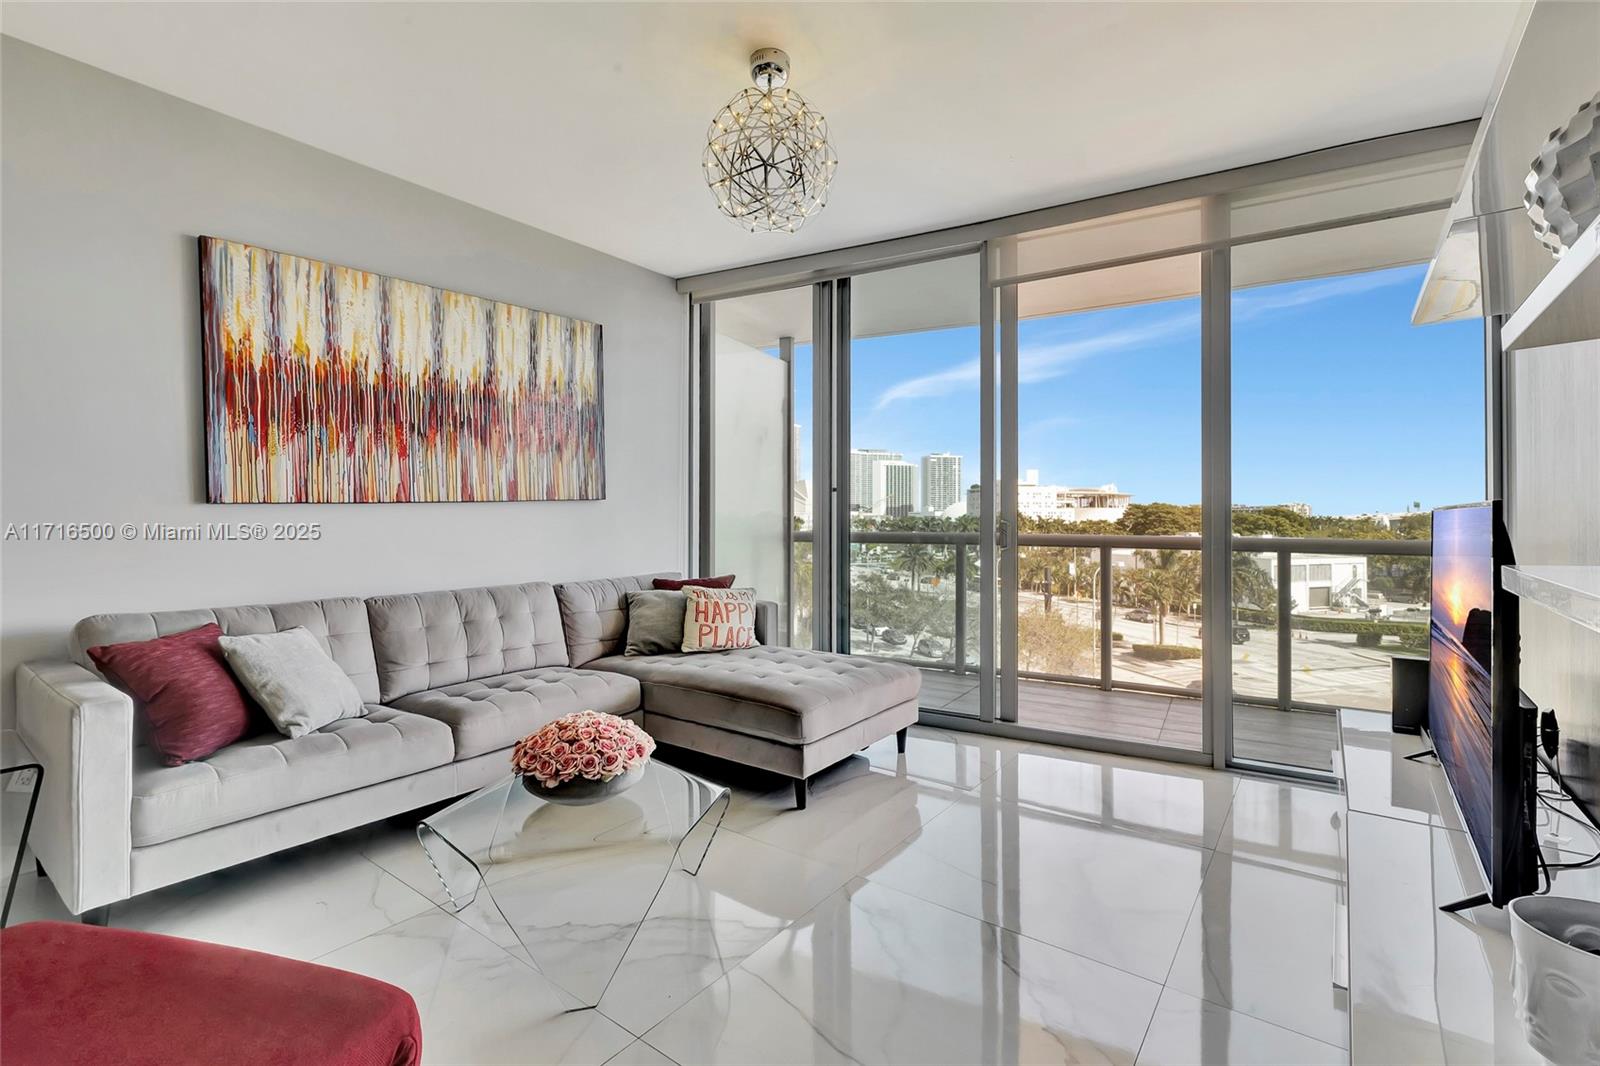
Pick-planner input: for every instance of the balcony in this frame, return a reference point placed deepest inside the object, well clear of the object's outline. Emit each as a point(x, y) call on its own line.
point(1120, 659)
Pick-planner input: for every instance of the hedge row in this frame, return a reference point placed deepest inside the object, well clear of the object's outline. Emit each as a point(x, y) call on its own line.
point(1165, 651)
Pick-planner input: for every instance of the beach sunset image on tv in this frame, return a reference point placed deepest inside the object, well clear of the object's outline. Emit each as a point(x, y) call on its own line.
point(1460, 701)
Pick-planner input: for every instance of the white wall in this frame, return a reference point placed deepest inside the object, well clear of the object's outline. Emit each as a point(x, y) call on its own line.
point(106, 186)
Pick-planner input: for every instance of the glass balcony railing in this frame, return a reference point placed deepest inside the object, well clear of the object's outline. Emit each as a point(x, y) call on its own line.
point(1124, 613)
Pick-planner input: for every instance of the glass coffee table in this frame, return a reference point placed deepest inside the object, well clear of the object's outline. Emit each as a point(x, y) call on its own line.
point(574, 884)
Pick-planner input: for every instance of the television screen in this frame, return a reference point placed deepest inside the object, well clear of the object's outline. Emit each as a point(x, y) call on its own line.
point(1461, 665)
point(1481, 732)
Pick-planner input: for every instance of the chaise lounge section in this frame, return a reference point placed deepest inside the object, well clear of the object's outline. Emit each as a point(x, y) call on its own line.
point(450, 680)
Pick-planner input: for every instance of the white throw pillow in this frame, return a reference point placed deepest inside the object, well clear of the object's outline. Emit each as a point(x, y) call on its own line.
point(299, 686)
point(718, 619)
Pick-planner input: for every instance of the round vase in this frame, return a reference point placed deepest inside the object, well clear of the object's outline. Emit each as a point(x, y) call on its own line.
point(1554, 976)
point(582, 791)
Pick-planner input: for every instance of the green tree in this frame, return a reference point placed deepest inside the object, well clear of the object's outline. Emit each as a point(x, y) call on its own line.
point(1168, 578)
point(1048, 643)
point(1159, 519)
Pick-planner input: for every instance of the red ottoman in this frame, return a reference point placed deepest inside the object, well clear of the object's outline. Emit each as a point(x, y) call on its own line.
point(74, 994)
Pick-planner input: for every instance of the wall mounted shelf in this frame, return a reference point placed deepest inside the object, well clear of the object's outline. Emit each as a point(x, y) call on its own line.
point(1565, 306)
point(1570, 591)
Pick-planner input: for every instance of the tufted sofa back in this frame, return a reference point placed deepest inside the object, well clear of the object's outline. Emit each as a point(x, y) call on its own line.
point(340, 626)
point(595, 614)
point(424, 640)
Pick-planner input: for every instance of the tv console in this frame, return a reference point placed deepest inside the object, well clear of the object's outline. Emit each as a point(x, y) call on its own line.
point(1425, 986)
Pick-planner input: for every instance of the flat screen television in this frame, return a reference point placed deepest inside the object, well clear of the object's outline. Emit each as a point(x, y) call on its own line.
point(1482, 734)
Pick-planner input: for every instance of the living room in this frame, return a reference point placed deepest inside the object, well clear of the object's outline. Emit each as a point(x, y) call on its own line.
point(769, 533)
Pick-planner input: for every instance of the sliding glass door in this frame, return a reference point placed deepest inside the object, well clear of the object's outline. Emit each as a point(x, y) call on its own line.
point(1101, 500)
point(913, 441)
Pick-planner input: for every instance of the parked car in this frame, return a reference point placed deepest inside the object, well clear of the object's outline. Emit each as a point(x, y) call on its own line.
point(927, 648)
point(1141, 614)
point(892, 636)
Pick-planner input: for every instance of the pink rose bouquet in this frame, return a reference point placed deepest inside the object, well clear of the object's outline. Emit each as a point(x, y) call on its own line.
point(588, 744)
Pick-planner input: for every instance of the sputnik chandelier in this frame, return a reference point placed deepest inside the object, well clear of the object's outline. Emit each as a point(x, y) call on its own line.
point(768, 161)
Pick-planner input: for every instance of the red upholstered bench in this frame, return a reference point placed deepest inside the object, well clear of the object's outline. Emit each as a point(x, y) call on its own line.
point(73, 994)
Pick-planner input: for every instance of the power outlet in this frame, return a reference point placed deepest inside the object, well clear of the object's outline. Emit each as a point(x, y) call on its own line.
point(22, 780)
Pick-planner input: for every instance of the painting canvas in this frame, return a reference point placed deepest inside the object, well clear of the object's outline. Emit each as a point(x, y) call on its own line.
point(326, 384)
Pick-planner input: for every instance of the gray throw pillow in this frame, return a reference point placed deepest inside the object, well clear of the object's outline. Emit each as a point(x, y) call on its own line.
point(299, 686)
point(655, 622)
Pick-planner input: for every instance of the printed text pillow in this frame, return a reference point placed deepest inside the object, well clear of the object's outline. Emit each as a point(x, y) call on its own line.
point(719, 619)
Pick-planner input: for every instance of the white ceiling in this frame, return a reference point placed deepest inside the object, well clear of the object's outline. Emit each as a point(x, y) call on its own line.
point(588, 120)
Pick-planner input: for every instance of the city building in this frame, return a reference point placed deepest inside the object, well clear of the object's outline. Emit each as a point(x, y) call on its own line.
point(1100, 504)
point(864, 463)
point(941, 483)
point(801, 491)
point(894, 488)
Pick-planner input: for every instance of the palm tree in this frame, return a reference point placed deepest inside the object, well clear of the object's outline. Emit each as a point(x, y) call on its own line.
point(1170, 577)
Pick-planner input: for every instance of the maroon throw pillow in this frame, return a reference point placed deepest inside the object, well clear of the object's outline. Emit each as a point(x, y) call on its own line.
point(672, 584)
point(190, 698)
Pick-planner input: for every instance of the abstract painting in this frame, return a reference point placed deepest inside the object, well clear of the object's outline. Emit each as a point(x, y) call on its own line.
point(325, 384)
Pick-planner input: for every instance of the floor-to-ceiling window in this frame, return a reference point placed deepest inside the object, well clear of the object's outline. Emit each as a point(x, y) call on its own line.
point(1349, 425)
point(756, 451)
point(1107, 460)
point(914, 447)
point(1151, 480)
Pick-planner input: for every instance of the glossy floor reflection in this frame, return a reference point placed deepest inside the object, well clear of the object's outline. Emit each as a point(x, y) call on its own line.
point(973, 900)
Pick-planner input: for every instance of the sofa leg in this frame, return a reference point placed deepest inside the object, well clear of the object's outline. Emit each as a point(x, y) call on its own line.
point(900, 739)
point(800, 788)
point(100, 916)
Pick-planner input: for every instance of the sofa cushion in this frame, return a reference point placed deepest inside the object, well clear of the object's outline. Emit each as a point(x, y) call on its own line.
point(192, 705)
point(594, 614)
point(272, 772)
point(490, 713)
point(783, 694)
point(340, 626)
point(428, 639)
point(293, 679)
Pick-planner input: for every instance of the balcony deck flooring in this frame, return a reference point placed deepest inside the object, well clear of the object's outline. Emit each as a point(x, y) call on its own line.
point(1291, 738)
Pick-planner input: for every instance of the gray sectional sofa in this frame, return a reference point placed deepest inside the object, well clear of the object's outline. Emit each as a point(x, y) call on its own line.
point(451, 680)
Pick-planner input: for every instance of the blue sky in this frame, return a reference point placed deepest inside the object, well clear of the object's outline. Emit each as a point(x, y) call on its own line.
point(1338, 401)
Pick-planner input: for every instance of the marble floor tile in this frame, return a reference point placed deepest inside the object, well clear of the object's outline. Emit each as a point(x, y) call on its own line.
point(1191, 1032)
point(639, 1053)
point(299, 903)
point(875, 976)
point(1293, 826)
point(1116, 897)
point(702, 926)
point(478, 1004)
point(37, 900)
point(1188, 804)
point(1261, 940)
point(854, 814)
point(944, 758)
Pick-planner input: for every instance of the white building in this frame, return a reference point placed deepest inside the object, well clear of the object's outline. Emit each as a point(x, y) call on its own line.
point(894, 488)
point(800, 491)
point(941, 483)
point(864, 463)
point(1322, 582)
point(1103, 503)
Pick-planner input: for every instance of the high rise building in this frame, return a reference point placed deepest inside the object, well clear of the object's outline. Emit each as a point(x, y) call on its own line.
point(894, 488)
point(941, 483)
point(864, 462)
point(801, 490)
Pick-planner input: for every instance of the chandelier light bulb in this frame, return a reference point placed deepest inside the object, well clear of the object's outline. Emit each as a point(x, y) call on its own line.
point(767, 159)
